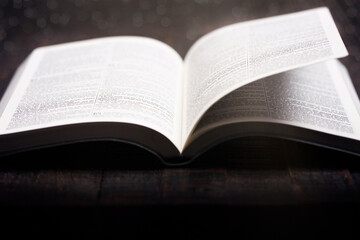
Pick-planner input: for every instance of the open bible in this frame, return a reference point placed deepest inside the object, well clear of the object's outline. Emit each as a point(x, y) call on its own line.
point(276, 76)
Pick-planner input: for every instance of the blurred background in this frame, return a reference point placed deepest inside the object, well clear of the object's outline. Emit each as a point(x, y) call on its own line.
point(27, 24)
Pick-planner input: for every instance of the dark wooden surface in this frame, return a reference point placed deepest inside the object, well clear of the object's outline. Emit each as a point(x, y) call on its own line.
point(248, 184)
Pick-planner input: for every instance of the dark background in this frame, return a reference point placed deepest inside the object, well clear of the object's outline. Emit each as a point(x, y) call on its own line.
point(247, 187)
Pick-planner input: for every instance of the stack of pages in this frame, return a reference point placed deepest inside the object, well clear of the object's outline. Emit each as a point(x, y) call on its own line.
point(276, 77)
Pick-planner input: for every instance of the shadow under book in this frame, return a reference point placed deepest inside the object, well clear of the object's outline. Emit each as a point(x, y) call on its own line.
point(275, 77)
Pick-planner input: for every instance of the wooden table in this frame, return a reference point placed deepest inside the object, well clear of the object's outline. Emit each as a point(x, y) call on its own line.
point(246, 186)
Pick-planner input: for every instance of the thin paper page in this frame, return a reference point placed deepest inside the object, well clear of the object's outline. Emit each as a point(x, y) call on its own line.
point(12, 85)
point(126, 79)
point(236, 55)
point(313, 97)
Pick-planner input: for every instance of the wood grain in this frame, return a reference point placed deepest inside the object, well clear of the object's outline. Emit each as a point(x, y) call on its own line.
point(245, 172)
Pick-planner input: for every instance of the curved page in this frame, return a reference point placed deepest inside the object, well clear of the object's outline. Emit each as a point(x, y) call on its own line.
point(233, 56)
point(119, 79)
point(315, 97)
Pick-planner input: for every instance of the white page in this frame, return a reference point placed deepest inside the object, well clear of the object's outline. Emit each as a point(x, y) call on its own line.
point(238, 54)
point(314, 97)
point(122, 79)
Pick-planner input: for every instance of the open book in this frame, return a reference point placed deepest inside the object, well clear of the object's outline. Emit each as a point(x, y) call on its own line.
point(275, 77)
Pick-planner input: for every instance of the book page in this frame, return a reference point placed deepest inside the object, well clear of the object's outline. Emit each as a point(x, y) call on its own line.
point(315, 97)
point(119, 79)
point(238, 54)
